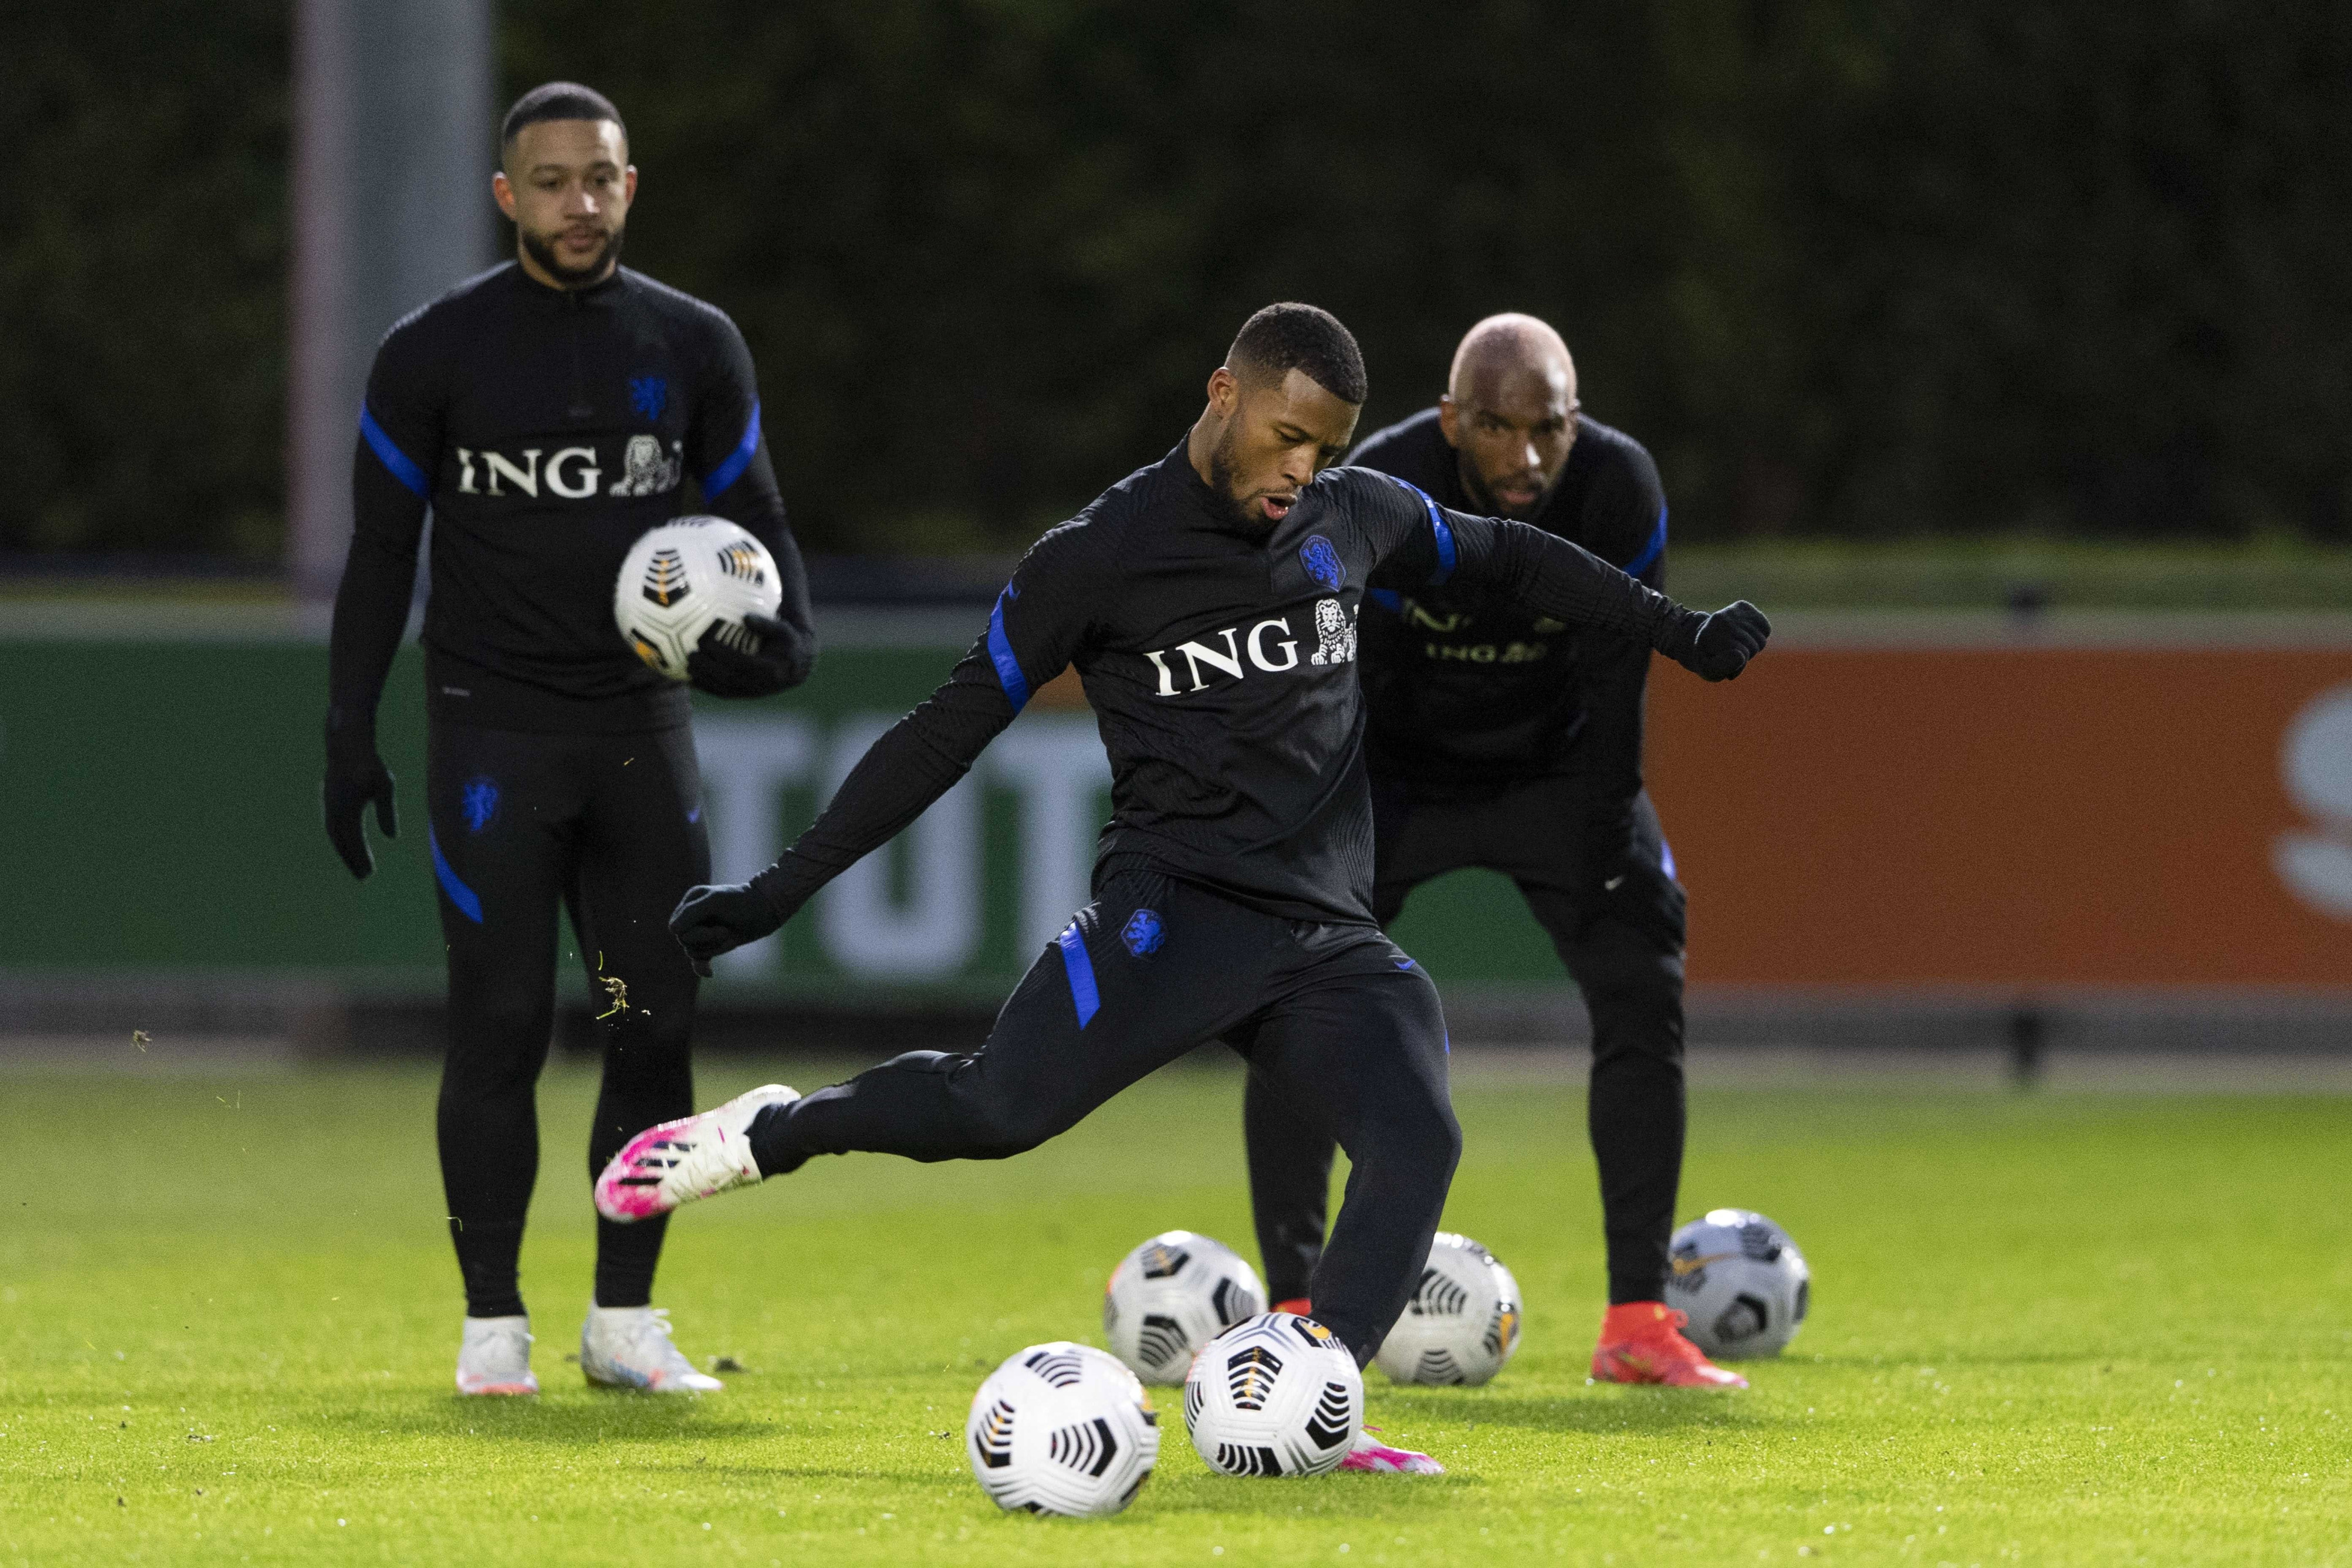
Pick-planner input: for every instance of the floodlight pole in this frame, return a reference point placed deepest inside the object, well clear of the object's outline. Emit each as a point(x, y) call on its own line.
point(395, 142)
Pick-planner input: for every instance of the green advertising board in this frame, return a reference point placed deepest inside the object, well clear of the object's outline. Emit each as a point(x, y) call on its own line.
point(162, 795)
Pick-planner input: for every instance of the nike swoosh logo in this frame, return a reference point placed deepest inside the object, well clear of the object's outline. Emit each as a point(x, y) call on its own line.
point(1404, 964)
point(1614, 882)
point(1693, 1265)
point(694, 815)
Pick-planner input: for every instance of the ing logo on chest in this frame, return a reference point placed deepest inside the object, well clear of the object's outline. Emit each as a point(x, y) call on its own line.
point(1268, 647)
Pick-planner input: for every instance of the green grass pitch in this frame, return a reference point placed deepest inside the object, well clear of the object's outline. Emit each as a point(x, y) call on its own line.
point(2050, 1329)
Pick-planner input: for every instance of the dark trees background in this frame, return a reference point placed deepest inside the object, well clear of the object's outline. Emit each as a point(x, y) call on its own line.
point(1851, 269)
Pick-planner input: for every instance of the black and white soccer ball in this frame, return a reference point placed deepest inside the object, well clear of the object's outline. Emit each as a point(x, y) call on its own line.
point(1172, 1295)
point(1062, 1429)
point(1741, 1281)
point(1276, 1395)
point(1463, 1322)
point(681, 578)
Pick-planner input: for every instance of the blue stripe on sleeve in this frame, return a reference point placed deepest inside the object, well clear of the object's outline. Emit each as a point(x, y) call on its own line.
point(395, 460)
point(726, 473)
point(1081, 970)
point(1387, 599)
point(1000, 653)
point(1445, 555)
point(1651, 551)
point(468, 902)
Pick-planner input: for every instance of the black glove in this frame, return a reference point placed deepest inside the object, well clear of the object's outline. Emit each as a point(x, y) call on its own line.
point(781, 662)
point(355, 775)
point(1715, 647)
point(710, 921)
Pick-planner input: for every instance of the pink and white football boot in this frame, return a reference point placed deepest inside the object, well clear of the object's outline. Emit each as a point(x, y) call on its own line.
point(679, 1162)
point(1380, 1459)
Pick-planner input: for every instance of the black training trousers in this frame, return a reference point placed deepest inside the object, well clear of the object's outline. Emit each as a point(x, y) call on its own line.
point(1622, 945)
point(609, 826)
point(1343, 1022)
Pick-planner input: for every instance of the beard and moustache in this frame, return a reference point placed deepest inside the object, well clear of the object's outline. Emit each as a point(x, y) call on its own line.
point(542, 249)
point(1238, 511)
point(1485, 499)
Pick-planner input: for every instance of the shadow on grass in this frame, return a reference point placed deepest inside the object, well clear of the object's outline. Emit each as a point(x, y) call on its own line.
point(1335, 1496)
point(618, 1417)
point(1614, 1412)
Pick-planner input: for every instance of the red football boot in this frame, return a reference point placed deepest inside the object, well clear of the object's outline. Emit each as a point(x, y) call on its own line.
point(1299, 1305)
point(1641, 1342)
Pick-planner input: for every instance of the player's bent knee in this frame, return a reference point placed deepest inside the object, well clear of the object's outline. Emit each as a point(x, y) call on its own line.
point(1421, 1136)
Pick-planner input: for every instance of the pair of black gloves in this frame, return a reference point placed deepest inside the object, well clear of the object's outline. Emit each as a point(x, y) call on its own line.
point(714, 920)
point(357, 777)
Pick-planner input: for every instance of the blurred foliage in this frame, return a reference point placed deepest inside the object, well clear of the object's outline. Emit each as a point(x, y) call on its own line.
point(1852, 269)
point(142, 276)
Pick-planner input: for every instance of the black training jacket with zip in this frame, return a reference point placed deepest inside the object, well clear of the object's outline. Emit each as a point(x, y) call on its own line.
point(546, 429)
point(1470, 693)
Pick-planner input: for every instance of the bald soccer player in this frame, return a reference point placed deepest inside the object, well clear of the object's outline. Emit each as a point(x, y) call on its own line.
point(1503, 738)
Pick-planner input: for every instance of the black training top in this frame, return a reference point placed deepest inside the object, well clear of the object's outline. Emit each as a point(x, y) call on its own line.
point(1221, 666)
point(1469, 691)
point(547, 429)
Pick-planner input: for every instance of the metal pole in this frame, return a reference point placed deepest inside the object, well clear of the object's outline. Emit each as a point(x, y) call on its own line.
point(395, 142)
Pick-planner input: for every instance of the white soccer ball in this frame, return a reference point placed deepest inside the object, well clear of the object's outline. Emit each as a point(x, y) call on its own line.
point(684, 576)
point(1277, 1395)
point(1463, 1322)
point(1062, 1429)
point(1741, 1280)
point(1172, 1295)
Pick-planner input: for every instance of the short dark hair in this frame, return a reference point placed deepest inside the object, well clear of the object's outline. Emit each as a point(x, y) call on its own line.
point(1293, 337)
point(557, 101)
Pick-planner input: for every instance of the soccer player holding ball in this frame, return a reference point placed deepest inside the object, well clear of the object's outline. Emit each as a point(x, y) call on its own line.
point(1503, 737)
point(548, 412)
point(1209, 603)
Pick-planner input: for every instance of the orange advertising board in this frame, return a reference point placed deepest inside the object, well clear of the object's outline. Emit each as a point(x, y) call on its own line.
point(2014, 816)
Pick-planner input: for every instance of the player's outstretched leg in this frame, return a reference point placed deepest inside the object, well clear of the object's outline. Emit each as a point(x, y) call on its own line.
point(494, 1357)
point(693, 1157)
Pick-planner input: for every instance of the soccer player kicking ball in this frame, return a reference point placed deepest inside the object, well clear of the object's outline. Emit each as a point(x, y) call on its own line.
point(1501, 738)
point(548, 412)
point(1209, 604)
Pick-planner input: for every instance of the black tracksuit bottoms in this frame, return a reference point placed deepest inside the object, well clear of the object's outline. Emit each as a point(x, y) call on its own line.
point(609, 827)
point(1624, 946)
point(1344, 1023)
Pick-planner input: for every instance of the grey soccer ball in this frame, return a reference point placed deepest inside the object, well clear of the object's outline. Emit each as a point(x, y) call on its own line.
point(1741, 1281)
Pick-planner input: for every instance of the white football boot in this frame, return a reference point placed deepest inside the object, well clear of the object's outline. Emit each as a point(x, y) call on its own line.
point(694, 1156)
point(629, 1347)
point(495, 1357)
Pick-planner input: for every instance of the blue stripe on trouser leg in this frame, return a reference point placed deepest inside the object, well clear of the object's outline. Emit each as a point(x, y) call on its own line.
point(468, 903)
point(1081, 970)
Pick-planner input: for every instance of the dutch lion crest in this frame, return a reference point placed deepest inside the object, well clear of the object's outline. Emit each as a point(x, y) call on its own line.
point(646, 469)
point(1322, 562)
point(1334, 638)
